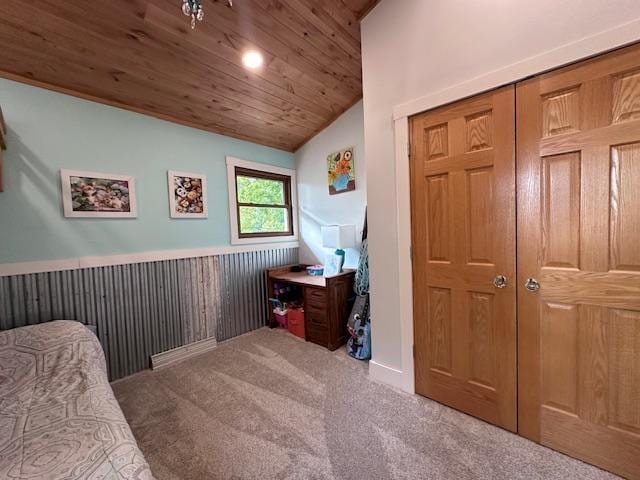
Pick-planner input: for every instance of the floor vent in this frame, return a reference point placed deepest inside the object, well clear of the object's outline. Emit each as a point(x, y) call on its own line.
point(164, 359)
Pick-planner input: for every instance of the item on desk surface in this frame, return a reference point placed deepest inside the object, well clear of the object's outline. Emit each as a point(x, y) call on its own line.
point(339, 237)
point(333, 264)
point(296, 268)
point(315, 270)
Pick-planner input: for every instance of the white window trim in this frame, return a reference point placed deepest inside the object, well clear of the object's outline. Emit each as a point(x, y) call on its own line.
point(232, 163)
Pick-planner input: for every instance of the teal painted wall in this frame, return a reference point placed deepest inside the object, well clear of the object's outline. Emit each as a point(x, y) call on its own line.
point(48, 131)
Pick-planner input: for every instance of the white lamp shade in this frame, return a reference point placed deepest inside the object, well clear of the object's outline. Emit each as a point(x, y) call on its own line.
point(338, 236)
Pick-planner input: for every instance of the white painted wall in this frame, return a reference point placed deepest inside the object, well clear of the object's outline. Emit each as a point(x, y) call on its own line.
point(316, 206)
point(414, 49)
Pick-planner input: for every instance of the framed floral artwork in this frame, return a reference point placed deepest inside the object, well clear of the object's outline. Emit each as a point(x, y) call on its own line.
point(187, 195)
point(93, 194)
point(342, 175)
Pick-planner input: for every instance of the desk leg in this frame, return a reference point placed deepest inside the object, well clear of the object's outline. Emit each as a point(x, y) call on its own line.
point(271, 321)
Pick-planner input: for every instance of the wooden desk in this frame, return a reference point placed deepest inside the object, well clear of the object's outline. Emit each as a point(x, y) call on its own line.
point(326, 303)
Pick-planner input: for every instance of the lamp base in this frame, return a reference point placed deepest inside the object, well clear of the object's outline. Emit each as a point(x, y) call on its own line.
point(341, 253)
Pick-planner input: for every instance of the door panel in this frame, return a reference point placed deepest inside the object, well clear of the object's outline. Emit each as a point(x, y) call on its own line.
point(578, 132)
point(463, 228)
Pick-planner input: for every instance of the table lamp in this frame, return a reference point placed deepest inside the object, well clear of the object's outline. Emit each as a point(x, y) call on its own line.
point(339, 237)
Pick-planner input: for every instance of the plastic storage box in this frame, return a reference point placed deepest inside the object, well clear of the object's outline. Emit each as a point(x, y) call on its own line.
point(296, 322)
point(315, 270)
point(282, 317)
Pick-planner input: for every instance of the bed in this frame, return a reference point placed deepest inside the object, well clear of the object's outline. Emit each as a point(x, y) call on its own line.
point(59, 418)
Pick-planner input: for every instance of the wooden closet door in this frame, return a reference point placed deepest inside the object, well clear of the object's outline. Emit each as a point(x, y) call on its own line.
point(578, 151)
point(463, 229)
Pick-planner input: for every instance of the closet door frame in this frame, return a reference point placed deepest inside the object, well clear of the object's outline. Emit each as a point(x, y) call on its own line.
point(402, 374)
point(528, 122)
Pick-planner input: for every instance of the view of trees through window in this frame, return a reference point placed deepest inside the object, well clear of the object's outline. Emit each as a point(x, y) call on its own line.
point(263, 204)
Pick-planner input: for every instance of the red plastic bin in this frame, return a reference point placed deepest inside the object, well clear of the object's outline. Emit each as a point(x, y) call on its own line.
point(296, 322)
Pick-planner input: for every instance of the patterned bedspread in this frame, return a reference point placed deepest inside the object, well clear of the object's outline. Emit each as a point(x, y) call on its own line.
point(59, 418)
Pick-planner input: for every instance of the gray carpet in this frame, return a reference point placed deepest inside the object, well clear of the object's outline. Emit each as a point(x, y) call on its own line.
point(270, 406)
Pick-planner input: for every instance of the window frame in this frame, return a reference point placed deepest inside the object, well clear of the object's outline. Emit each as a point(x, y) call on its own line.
point(285, 180)
point(238, 167)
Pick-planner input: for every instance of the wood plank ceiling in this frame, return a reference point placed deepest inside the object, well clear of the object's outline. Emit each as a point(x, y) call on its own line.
point(142, 55)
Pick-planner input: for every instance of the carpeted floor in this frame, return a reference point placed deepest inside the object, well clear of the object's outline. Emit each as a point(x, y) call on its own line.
point(269, 406)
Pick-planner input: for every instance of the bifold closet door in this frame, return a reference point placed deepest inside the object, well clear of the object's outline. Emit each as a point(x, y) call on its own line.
point(463, 241)
point(578, 150)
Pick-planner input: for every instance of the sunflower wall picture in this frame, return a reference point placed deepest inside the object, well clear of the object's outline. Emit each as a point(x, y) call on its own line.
point(187, 195)
point(342, 174)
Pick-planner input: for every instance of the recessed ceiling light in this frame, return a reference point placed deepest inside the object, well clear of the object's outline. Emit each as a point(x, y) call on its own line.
point(252, 59)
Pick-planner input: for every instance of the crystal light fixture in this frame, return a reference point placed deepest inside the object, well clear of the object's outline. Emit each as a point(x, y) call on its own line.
point(193, 9)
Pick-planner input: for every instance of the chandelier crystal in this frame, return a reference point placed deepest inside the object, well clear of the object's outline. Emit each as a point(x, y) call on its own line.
point(193, 9)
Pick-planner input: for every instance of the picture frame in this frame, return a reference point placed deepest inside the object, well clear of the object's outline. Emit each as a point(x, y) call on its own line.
point(341, 171)
point(187, 194)
point(87, 194)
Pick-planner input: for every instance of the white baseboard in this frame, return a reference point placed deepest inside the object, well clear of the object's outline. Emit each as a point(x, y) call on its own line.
point(164, 359)
point(384, 374)
point(23, 268)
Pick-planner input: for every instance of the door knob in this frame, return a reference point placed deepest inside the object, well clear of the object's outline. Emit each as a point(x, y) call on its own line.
point(532, 284)
point(500, 281)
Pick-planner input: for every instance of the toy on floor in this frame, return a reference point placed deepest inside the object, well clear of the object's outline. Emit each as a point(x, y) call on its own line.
point(359, 345)
point(359, 323)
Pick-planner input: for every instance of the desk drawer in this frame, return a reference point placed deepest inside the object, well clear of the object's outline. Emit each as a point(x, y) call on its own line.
point(316, 309)
point(315, 297)
point(315, 317)
point(317, 334)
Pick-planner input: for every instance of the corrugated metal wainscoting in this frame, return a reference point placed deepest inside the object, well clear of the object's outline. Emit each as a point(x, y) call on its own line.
point(244, 302)
point(147, 308)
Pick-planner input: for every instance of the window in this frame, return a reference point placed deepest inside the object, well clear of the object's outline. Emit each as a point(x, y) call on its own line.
point(261, 201)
